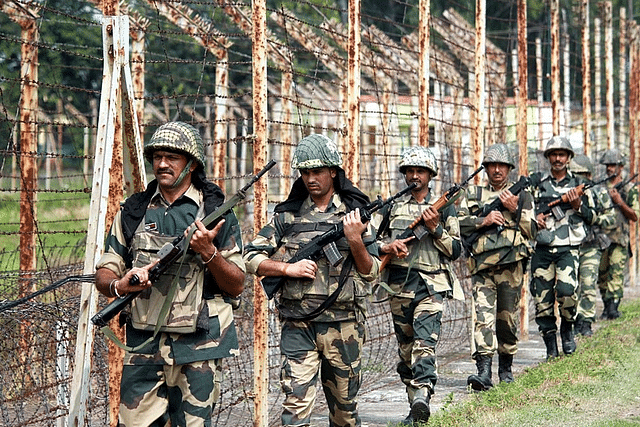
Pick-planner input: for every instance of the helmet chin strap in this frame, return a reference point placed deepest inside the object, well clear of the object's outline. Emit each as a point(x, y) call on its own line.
point(183, 174)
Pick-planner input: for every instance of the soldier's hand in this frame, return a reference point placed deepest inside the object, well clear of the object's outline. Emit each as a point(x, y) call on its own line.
point(615, 196)
point(494, 217)
point(398, 247)
point(574, 197)
point(541, 220)
point(202, 239)
point(303, 269)
point(128, 284)
point(509, 201)
point(353, 226)
point(431, 218)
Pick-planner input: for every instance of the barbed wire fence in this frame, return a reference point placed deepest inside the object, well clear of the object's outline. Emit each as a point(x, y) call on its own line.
point(192, 61)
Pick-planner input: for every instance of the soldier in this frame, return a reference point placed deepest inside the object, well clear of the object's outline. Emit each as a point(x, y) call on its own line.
point(497, 262)
point(616, 257)
point(554, 263)
point(329, 341)
point(420, 277)
point(592, 246)
point(174, 373)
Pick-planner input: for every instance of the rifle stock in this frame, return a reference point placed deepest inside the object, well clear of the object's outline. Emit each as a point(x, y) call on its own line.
point(172, 251)
point(417, 227)
point(324, 244)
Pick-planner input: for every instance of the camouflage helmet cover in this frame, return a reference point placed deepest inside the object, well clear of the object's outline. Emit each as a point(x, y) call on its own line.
point(498, 153)
point(581, 164)
point(176, 136)
point(612, 157)
point(418, 156)
point(559, 143)
point(316, 151)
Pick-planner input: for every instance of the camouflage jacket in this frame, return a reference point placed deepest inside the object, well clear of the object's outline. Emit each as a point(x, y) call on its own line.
point(569, 230)
point(220, 340)
point(285, 234)
point(599, 199)
point(431, 257)
point(497, 246)
point(620, 231)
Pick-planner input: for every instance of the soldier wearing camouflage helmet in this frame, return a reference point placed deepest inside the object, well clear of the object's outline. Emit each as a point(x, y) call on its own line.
point(554, 264)
point(316, 337)
point(497, 263)
point(182, 350)
point(626, 209)
point(592, 246)
point(420, 277)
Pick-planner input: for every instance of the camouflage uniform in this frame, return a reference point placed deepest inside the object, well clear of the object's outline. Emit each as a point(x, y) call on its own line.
point(177, 375)
point(497, 262)
point(591, 248)
point(554, 264)
point(330, 343)
point(616, 257)
point(420, 283)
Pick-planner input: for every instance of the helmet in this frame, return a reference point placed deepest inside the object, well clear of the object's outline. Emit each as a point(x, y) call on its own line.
point(316, 151)
point(498, 153)
point(581, 164)
point(176, 136)
point(418, 156)
point(612, 157)
point(559, 143)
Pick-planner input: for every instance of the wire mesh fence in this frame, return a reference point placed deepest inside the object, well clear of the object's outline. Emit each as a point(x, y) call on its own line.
point(192, 61)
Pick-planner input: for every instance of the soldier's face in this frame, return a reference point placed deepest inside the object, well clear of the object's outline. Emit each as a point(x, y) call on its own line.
point(613, 169)
point(559, 159)
point(167, 167)
point(319, 181)
point(419, 176)
point(497, 173)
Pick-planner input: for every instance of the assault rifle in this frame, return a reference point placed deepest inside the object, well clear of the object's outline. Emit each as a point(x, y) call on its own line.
point(558, 205)
point(325, 243)
point(495, 205)
point(417, 228)
point(619, 186)
point(172, 251)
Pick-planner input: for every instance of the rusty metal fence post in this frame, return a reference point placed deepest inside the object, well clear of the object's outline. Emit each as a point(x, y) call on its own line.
point(260, 307)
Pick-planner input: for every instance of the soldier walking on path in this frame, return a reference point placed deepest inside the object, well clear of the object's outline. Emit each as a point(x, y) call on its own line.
point(420, 277)
point(592, 246)
point(173, 366)
point(498, 258)
point(615, 258)
point(330, 341)
point(561, 231)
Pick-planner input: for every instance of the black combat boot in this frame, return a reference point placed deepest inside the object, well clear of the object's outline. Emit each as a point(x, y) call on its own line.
point(566, 335)
point(420, 411)
point(584, 329)
point(481, 381)
point(606, 311)
point(613, 311)
point(504, 367)
point(551, 343)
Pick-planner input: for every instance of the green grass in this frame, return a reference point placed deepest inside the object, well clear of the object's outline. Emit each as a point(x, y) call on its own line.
point(598, 386)
point(61, 219)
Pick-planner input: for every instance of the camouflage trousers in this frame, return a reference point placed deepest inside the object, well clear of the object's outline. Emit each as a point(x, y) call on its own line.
point(150, 395)
point(588, 279)
point(612, 269)
point(417, 323)
point(554, 272)
point(496, 293)
point(332, 349)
